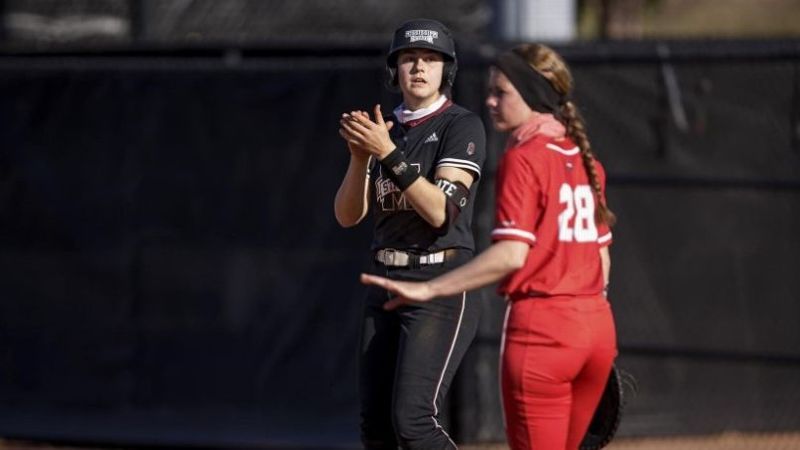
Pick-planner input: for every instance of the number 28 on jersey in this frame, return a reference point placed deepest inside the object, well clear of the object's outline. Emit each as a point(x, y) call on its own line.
point(576, 221)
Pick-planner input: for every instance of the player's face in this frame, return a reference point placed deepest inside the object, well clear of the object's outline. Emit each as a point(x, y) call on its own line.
point(419, 75)
point(506, 107)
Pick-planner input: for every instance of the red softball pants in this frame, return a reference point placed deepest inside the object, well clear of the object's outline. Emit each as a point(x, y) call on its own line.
point(557, 356)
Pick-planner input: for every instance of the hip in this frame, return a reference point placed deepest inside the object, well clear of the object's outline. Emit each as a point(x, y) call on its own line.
point(578, 322)
point(421, 266)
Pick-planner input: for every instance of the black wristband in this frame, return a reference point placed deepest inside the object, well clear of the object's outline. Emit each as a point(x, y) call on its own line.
point(399, 170)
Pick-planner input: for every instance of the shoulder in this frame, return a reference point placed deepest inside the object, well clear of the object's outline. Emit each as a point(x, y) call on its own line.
point(458, 115)
point(531, 156)
point(531, 149)
point(457, 110)
point(461, 126)
point(521, 157)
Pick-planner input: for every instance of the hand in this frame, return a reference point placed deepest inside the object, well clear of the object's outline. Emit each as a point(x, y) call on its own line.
point(355, 150)
point(367, 135)
point(408, 292)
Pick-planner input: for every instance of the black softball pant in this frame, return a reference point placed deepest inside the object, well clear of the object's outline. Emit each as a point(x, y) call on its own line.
point(408, 359)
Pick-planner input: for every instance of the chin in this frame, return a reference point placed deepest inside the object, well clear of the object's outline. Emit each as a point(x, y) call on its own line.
point(501, 126)
point(421, 93)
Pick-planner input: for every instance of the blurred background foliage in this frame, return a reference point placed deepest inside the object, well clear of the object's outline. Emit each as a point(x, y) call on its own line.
point(42, 25)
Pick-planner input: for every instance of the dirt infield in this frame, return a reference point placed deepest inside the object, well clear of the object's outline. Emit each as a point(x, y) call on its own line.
point(726, 441)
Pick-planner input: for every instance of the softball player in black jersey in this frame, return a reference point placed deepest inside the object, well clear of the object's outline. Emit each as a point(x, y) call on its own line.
point(418, 170)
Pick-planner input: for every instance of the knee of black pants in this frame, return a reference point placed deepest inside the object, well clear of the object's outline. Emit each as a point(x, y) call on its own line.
point(409, 428)
point(419, 429)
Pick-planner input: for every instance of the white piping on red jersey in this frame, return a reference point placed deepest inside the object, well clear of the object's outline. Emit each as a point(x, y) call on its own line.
point(604, 238)
point(514, 232)
point(568, 152)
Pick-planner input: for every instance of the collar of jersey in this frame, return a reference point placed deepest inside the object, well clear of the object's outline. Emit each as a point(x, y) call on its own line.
point(411, 118)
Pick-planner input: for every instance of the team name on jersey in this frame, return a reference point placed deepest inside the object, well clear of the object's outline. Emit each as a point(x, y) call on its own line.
point(389, 195)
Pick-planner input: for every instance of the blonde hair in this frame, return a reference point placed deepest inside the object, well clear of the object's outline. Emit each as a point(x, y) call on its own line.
point(550, 65)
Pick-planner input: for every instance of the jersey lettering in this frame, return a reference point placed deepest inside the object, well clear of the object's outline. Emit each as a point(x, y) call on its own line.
point(576, 221)
point(389, 196)
point(447, 187)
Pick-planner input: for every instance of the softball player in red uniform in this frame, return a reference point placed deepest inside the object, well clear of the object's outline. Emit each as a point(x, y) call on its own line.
point(550, 249)
point(417, 171)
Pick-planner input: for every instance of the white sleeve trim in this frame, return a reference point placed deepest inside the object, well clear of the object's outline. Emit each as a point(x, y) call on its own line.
point(514, 232)
point(460, 163)
point(604, 238)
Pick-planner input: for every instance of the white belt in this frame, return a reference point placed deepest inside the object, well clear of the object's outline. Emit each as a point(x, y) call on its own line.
point(399, 258)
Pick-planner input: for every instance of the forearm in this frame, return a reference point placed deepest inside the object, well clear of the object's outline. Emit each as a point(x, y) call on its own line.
point(605, 260)
point(350, 204)
point(490, 266)
point(428, 201)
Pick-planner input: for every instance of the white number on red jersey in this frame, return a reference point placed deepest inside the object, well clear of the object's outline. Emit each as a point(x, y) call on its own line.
point(576, 221)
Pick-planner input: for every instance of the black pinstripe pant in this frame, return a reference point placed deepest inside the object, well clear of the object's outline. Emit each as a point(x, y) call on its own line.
point(408, 359)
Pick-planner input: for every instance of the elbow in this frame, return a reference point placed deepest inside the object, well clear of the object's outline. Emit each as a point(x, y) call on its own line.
point(440, 224)
point(339, 218)
point(515, 263)
point(348, 214)
point(516, 256)
point(440, 227)
point(342, 218)
point(345, 222)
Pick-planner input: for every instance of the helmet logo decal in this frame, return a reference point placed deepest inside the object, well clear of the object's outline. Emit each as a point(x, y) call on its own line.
point(422, 35)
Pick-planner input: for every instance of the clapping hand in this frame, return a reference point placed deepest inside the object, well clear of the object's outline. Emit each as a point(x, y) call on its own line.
point(366, 135)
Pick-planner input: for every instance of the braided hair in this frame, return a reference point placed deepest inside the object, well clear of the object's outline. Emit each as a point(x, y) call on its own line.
point(550, 65)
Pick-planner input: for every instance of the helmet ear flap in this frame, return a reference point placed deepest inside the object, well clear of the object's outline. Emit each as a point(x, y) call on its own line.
point(391, 79)
point(450, 69)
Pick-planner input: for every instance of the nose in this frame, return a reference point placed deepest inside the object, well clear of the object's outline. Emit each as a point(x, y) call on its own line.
point(491, 101)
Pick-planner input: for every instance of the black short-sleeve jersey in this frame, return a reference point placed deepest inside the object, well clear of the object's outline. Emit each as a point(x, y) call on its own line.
point(450, 137)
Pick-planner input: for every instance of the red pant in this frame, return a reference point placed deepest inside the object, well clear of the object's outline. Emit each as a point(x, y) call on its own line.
point(557, 356)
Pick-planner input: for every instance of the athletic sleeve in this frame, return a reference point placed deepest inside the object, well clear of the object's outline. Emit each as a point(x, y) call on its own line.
point(518, 193)
point(604, 236)
point(465, 145)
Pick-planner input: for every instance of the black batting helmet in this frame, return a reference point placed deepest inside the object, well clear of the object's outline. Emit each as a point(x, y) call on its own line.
point(423, 33)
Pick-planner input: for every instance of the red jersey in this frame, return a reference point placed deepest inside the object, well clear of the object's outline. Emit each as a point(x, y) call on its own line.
point(544, 199)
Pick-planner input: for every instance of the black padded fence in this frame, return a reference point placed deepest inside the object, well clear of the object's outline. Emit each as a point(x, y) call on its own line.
point(171, 271)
